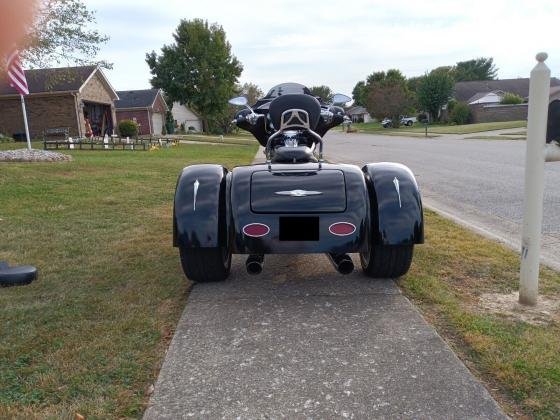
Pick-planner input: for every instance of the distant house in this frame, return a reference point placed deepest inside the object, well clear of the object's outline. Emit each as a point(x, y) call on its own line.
point(60, 98)
point(494, 97)
point(466, 91)
point(484, 98)
point(184, 115)
point(359, 114)
point(147, 107)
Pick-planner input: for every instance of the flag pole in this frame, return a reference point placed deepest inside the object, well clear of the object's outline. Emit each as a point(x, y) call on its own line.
point(25, 121)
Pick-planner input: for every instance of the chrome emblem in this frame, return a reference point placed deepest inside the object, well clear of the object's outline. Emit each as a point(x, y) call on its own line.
point(196, 185)
point(398, 188)
point(298, 193)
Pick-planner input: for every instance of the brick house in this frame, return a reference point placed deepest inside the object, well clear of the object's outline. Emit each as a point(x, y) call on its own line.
point(60, 98)
point(484, 96)
point(147, 107)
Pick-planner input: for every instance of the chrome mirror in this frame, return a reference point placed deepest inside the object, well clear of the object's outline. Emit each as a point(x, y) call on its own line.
point(340, 99)
point(239, 101)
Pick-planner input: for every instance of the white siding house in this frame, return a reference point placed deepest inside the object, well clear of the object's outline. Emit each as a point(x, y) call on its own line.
point(183, 115)
point(494, 97)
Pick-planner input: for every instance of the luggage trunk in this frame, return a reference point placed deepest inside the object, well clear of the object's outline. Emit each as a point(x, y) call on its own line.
point(298, 192)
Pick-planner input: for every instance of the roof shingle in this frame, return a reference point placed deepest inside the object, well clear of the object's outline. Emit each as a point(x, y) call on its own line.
point(64, 79)
point(136, 98)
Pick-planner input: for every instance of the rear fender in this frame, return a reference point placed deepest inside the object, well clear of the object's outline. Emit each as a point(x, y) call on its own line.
point(397, 216)
point(199, 210)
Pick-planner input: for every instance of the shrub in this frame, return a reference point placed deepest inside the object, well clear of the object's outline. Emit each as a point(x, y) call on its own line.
point(182, 129)
point(128, 128)
point(511, 99)
point(461, 113)
point(451, 104)
point(422, 117)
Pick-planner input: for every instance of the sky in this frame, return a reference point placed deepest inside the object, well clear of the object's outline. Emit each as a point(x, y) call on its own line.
point(336, 43)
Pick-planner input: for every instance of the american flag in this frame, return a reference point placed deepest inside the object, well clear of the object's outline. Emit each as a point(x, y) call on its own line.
point(16, 74)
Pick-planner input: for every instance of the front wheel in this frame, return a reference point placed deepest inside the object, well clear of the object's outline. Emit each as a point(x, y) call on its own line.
point(205, 265)
point(386, 261)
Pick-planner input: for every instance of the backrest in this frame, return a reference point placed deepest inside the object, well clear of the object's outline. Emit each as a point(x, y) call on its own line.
point(297, 102)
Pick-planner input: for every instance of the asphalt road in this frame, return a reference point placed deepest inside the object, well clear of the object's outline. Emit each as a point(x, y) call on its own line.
point(479, 182)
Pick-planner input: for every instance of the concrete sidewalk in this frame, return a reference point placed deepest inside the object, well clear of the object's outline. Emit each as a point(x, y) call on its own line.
point(302, 341)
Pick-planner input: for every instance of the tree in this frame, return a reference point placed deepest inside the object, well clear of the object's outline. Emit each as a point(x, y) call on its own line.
point(413, 82)
point(251, 91)
point(389, 101)
point(385, 94)
point(434, 90)
point(476, 69)
point(360, 93)
point(62, 34)
point(198, 70)
point(323, 92)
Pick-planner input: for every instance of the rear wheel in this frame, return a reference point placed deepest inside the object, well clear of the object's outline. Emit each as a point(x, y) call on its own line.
point(386, 261)
point(205, 265)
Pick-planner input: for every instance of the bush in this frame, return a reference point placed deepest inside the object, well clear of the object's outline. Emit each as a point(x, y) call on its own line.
point(511, 99)
point(182, 129)
point(451, 104)
point(422, 117)
point(461, 113)
point(128, 128)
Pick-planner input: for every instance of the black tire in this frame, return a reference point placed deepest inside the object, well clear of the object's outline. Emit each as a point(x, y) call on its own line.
point(387, 261)
point(409, 123)
point(205, 265)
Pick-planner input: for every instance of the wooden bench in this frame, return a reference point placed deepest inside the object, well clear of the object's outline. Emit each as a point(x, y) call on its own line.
point(55, 135)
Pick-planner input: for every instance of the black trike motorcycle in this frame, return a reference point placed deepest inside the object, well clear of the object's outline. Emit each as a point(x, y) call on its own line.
point(295, 202)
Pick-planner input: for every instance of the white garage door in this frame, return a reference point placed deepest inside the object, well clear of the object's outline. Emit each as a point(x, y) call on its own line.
point(157, 123)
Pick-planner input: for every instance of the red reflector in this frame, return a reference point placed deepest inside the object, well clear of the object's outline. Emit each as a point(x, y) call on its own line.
point(342, 229)
point(256, 230)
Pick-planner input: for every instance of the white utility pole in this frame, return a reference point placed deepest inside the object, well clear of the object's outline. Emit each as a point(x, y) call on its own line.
point(539, 94)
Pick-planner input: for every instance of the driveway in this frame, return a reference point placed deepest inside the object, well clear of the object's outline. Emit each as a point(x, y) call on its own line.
point(478, 183)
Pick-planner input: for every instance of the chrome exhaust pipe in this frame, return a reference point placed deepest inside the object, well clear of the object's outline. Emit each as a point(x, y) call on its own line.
point(254, 264)
point(341, 263)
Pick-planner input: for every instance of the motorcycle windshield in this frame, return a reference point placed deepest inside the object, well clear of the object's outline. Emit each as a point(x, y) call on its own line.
point(285, 89)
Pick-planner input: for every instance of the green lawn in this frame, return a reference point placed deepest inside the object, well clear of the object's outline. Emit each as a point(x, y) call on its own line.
point(89, 336)
point(376, 128)
point(519, 362)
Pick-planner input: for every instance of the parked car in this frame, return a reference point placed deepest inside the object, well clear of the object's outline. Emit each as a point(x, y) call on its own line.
point(408, 121)
point(387, 122)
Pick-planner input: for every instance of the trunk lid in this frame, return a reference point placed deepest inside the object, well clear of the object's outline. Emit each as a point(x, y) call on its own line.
point(322, 191)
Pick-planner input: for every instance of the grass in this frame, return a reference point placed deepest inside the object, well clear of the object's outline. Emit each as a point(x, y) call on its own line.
point(520, 362)
point(89, 336)
point(376, 128)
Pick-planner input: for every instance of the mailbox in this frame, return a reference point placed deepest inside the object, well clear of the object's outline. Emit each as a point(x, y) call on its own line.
point(553, 126)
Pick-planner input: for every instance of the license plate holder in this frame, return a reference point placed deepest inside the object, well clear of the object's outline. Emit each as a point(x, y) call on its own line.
point(299, 228)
